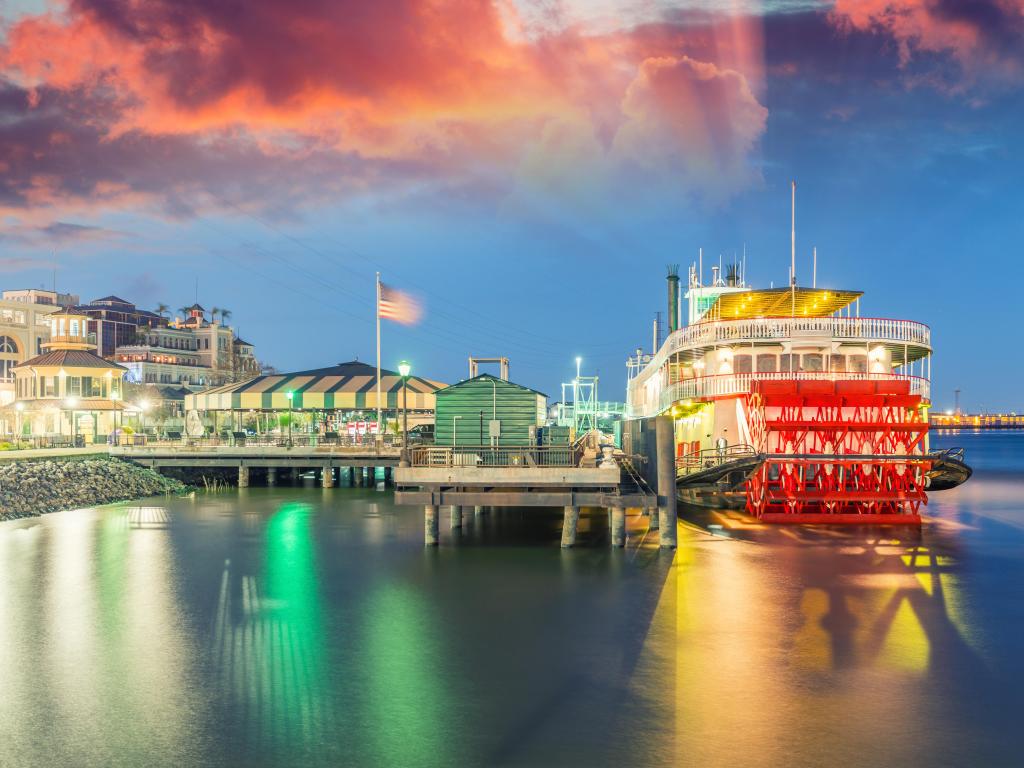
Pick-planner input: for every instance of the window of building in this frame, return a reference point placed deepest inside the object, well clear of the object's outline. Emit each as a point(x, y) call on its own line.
point(787, 362)
point(49, 386)
point(8, 357)
point(857, 364)
point(766, 363)
point(838, 363)
point(813, 362)
point(742, 363)
point(73, 385)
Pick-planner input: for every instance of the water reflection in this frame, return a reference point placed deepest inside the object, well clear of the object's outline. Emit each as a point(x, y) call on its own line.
point(301, 627)
point(268, 643)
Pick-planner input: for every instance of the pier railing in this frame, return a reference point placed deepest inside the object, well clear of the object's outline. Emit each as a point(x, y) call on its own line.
point(712, 457)
point(487, 456)
point(723, 385)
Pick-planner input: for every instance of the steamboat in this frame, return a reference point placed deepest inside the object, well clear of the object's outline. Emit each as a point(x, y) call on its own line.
point(790, 405)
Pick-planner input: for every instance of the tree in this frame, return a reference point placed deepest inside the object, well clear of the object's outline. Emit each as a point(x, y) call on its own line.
point(225, 314)
point(162, 309)
point(213, 314)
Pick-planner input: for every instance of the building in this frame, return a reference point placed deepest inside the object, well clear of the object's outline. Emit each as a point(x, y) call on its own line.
point(487, 410)
point(41, 296)
point(67, 391)
point(117, 323)
point(341, 398)
point(192, 352)
point(23, 329)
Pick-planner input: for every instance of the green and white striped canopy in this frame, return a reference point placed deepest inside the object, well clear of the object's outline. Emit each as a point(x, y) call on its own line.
point(346, 386)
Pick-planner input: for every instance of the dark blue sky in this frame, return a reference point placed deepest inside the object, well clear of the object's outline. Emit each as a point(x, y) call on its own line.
point(528, 174)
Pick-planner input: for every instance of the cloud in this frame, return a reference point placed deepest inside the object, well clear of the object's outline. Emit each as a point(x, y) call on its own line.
point(698, 121)
point(985, 37)
point(125, 103)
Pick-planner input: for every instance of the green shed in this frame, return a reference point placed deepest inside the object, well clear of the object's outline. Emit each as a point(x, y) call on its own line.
point(469, 408)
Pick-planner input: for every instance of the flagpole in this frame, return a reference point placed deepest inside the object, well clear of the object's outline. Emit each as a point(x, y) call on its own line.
point(379, 428)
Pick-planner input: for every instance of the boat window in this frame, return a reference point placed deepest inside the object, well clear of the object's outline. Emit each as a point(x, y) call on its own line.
point(838, 363)
point(813, 362)
point(742, 364)
point(857, 364)
point(786, 362)
point(766, 363)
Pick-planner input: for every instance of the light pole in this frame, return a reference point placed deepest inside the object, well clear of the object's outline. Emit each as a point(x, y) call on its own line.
point(19, 407)
point(290, 396)
point(403, 370)
point(114, 398)
point(72, 403)
point(143, 407)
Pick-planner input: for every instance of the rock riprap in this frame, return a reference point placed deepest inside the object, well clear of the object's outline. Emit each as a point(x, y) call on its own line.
point(34, 487)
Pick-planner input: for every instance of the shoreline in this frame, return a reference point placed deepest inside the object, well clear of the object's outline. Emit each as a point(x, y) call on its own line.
point(31, 487)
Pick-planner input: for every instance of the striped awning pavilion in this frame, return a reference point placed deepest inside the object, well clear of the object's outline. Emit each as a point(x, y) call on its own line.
point(346, 386)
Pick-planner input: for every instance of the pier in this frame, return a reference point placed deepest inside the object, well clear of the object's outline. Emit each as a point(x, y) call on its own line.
point(326, 458)
point(568, 477)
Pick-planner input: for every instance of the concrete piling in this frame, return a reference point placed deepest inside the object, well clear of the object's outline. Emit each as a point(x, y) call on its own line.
point(652, 518)
point(295, 475)
point(478, 510)
point(243, 477)
point(570, 518)
point(456, 516)
point(430, 533)
point(327, 476)
point(666, 481)
point(618, 526)
point(271, 477)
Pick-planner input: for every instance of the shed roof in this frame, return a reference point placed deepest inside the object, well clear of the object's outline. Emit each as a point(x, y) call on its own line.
point(492, 377)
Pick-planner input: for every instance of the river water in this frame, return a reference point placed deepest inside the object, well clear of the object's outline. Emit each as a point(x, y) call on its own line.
point(298, 626)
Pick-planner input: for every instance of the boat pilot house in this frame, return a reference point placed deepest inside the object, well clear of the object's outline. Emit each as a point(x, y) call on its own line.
point(487, 410)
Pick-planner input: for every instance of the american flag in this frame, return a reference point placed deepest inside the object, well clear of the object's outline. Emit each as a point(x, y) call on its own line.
point(398, 306)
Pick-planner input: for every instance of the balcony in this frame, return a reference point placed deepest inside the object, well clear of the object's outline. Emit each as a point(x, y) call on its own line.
point(724, 385)
point(766, 329)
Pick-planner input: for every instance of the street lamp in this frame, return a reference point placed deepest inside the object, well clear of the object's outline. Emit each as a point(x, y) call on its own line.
point(19, 407)
point(72, 403)
point(404, 369)
point(290, 396)
point(143, 407)
point(114, 397)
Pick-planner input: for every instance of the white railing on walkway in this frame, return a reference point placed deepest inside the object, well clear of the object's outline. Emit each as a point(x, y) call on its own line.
point(865, 329)
point(723, 385)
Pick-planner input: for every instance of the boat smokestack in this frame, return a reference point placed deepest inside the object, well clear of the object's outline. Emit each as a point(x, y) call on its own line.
point(673, 297)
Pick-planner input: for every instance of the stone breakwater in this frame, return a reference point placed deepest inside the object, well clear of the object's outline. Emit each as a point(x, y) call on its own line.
point(36, 486)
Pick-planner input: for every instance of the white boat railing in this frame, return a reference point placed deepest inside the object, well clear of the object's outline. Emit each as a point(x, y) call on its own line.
point(865, 329)
point(723, 385)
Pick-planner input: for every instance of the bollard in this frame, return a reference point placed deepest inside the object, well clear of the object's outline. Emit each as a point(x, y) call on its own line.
point(570, 518)
point(666, 480)
point(618, 526)
point(430, 536)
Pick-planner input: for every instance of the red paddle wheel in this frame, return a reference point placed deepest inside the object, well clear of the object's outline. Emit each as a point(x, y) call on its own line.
point(848, 451)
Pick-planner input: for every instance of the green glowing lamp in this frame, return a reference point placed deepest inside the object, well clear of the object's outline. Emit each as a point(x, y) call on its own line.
point(404, 368)
point(289, 395)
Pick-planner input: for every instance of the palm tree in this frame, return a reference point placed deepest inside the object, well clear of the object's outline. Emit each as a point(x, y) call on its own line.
point(225, 314)
point(213, 314)
point(161, 309)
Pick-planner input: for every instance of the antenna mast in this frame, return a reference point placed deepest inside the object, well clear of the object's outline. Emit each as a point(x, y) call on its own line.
point(792, 253)
point(814, 277)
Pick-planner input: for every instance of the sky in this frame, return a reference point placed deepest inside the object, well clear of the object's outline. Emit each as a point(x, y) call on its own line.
point(527, 168)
